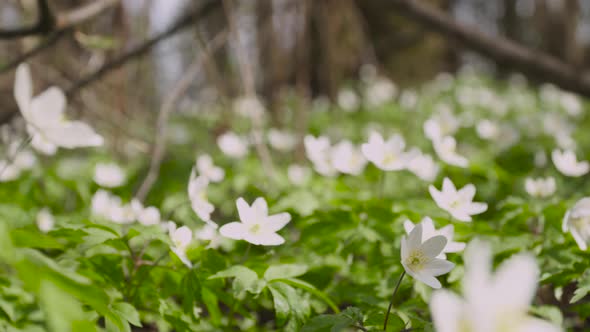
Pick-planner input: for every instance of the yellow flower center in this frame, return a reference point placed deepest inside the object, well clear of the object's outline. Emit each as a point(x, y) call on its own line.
point(416, 260)
point(255, 228)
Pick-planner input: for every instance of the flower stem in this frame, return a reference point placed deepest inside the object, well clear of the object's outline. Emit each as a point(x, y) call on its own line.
point(399, 282)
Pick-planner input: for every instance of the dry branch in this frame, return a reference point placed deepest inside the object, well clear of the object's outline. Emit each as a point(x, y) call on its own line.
point(533, 63)
point(166, 109)
point(45, 24)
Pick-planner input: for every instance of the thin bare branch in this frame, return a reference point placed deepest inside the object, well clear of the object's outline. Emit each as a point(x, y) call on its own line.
point(168, 106)
point(84, 13)
point(44, 25)
point(533, 63)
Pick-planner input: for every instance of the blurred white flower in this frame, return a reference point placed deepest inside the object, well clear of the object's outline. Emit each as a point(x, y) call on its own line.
point(211, 234)
point(281, 140)
point(446, 150)
point(441, 124)
point(318, 151)
point(232, 145)
point(45, 117)
point(298, 175)
point(487, 129)
point(109, 175)
point(181, 239)
point(492, 301)
point(207, 168)
point(386, 155)
point(197, 193)
point(408, 99)
point(19, 159)
point(577, 222)
point(255, 225)
point(45, 220)
point(418, 257)
point(380, 91)
point(459, 203)
point(347, 158)
point(146, 216)
point(571, 103)
point(110, 207)
point(429, 231)
point(348, 100)
point(540, 187)
point(249, 107)
point(566, 163)
point(422, 165)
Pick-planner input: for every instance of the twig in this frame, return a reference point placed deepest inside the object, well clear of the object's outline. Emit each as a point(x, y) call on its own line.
point(45, 24)
point(122, 59)
point(84, 13)
point(533, 63)
point(168, 105)
point(143, 48)
point(248, 82)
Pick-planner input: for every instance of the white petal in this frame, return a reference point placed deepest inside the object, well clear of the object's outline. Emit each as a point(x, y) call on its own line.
point(415, 238)
point(265, 239)
point(538, 325)
point(467, 193)
point(260, 208)
point(408, 226)
point(277, 221)
point(438, 197)
point(73, 134)
point(245, 212)
point(428, 279)
point(234, 230)
point(47, 109)
point(23, 89)
point(517, 279)
point(579, 239)
point(448, 186)
point(434, 246)
point(446, 309)
point(437, 267)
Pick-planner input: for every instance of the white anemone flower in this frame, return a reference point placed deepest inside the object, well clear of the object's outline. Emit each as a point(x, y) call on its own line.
point(386, 155)
point(249, 107)
point(232, 145)
point(45, 117)
point(429, 231)
point(318, 151)
point(197, 193)
point(211, 234)
point(422, 165)
point(255, 225)
point(109, 175)
point(348, 100)
point(577, 222)
point(488, 130)
point(459, 203)
point(207, 168)
point(566, 163)
point(18, 160)
point(281, 140)
point(492, 301)
point(379, 91)
point(181, 239)
point(45, 220)
point(145, 215)
point(298, 175)
point(110, 207)
point(443, 123)
point(540, 187)
point(347, 158)
point(446, 150)
point(419, 257)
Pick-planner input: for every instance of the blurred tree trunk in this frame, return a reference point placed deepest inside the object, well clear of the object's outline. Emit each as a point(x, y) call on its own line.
point(405, 50)
point(558, 27)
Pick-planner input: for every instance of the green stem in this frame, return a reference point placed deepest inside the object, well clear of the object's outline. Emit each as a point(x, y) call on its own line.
point(392, 299)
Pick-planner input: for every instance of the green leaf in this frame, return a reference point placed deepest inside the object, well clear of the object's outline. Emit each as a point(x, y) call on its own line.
point(281, 304)
point(210, 300)
point(582, 289)
point(332, 323)
point(284, 271)
point(245, 279)
point(310, 288)
point(127, 312)
point(64, 313)
point(33, 239)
